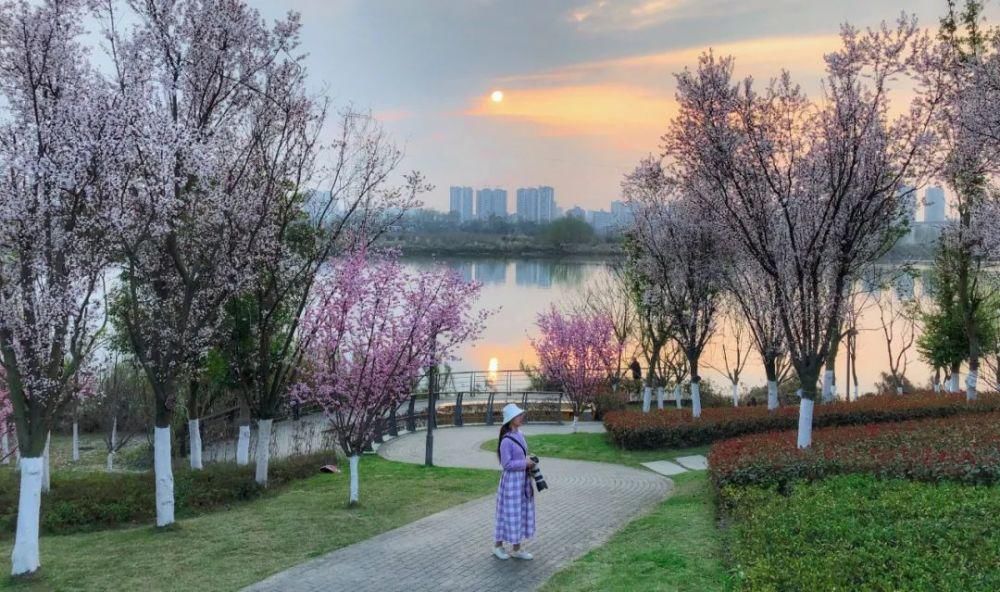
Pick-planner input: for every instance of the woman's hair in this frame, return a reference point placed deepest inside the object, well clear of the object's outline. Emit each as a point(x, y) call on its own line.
point(504, 430)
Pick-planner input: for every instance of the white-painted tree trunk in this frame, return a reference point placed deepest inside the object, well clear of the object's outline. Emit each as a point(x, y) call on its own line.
point(828, 386)
point(772, 394)
point(6, 448)
point(805, 423)
point(194, 441)
point(114, 434)
point(263, 449)
point(24, 558)
point(899, 390)
point(971, 381)
point(164, 473)
point(953, 383)
point(677, 396)
point(576, 423)
point(46, 469)
point(243, 446)
point(659, 397)
point(857, 392)
point(696, 399)
point(111, 461)
point(736, 395)
point(937, 388)
point(798, 393)
point(354, 479)
point(76, 441)
point(647, 395)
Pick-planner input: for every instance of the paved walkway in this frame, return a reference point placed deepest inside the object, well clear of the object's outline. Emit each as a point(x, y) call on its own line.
point(585, 504)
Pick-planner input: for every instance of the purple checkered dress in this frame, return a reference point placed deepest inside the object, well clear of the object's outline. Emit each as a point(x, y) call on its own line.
point(515, 520)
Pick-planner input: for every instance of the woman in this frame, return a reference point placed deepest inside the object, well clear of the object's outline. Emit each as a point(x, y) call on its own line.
point(515, 519)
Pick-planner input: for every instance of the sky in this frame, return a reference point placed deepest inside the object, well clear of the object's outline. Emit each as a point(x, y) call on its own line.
point(588, 84)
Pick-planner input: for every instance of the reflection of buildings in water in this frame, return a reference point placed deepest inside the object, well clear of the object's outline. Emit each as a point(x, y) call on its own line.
point(464, 268)
point(568, 273)
point(928, 283)
point(533, 273)
point(491, 272)
point(903, 286)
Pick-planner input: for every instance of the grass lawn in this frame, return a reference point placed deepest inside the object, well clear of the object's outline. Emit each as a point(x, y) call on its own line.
point(227, 550)
point(675, 547)
point(93, 453)
point(597, 448)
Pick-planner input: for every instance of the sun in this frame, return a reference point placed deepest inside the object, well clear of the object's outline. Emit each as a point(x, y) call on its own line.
point(497, 96)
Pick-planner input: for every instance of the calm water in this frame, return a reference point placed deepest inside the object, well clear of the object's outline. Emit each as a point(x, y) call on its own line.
point(522, 288)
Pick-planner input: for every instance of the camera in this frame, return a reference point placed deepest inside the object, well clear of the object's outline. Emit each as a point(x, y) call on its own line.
point(536, 474)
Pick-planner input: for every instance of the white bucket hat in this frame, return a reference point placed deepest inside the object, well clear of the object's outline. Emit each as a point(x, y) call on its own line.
point(510, 411)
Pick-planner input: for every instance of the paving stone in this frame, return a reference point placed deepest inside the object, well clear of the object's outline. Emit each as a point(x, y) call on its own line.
point(694, 463)
point(665, 467)
point(585, 504)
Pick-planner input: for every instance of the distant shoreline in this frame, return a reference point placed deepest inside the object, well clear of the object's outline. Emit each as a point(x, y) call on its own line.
point(603, 251)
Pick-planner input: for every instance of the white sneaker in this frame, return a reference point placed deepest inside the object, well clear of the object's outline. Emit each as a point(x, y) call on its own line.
point(500, 553)
point(522, 555)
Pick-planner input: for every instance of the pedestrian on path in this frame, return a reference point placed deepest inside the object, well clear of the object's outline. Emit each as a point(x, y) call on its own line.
point(515, 517)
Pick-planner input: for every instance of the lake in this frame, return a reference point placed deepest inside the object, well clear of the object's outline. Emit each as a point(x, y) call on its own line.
point(521, 288)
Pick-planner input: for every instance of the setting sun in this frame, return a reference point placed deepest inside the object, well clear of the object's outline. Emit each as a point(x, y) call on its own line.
point(496, 96)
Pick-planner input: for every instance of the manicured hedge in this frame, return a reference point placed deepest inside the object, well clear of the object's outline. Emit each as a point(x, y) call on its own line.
point(634, 430)
point(964, 449)
point(96, 501)
point(859, 532)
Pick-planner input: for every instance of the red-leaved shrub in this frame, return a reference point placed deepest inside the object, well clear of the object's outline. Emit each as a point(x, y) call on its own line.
point(634, 430)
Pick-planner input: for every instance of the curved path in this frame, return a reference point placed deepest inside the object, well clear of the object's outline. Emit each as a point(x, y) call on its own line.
point(585, 504)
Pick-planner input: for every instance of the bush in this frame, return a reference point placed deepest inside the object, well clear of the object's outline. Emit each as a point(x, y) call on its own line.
point(964, 449)
point(678, 429)
point(96, 501)
point(609, 401)
point(862, 533)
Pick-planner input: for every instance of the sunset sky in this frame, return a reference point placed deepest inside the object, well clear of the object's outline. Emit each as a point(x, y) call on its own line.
point(588, 84)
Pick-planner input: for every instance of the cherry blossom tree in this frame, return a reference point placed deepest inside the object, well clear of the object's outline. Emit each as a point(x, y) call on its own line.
point(59, 160)
point(684, 259)
point(263, 343)
point(735, 347)
point(753, 295)
point(809, 190)
point(375, 329)
point(578, 352)
point(220, 127)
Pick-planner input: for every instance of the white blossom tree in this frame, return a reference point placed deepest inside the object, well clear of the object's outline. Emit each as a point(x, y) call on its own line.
point(810, 190)
point(59, 162)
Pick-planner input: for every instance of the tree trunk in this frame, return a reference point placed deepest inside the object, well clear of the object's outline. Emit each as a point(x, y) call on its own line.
point(576, 423)
point(164, 476)
point(695, 386)
point(809, 379)
point(677, 395)
point(354, 480)
point(76, 441)
point(243, 445)
point(953, 381)
point(771, 371)
point(772, 395)
point(263, 450)
point(972, 379)
point(5, 441)
point(828, 385)
point(659, 398)
point(646, 396)
point(46, 466)
point(111, 461)
point(194, 441)
point(25, 558)
point(736, 395)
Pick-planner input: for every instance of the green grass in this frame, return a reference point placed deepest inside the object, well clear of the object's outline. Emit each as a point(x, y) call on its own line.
point(858, 532)
point(227, 550)
point(597, 448)
point(676, 547)
point(93, 453)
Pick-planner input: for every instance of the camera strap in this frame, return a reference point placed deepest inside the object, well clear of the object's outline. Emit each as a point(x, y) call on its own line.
point(514, 440)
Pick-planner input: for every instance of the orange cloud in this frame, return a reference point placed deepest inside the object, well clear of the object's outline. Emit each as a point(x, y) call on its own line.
point(625, 98)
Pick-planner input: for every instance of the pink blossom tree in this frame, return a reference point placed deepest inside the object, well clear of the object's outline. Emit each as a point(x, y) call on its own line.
point(220, 130)
point(59, 163)
point(578, 351)
point(375, 328)
point(809, 190)
point(684, 260)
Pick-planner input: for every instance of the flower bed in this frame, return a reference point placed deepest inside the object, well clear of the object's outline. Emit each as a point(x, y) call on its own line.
point(964, 449)
point(678, 429)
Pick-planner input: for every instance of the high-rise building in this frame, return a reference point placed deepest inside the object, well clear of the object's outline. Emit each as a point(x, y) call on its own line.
point(546, 204)
point(934, 205)
point(461, 203)
point(491, 203)
point(621, 212)
point(527, 204)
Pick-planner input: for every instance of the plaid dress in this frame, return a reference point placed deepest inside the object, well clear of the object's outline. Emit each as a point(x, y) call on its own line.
point(515, 519)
